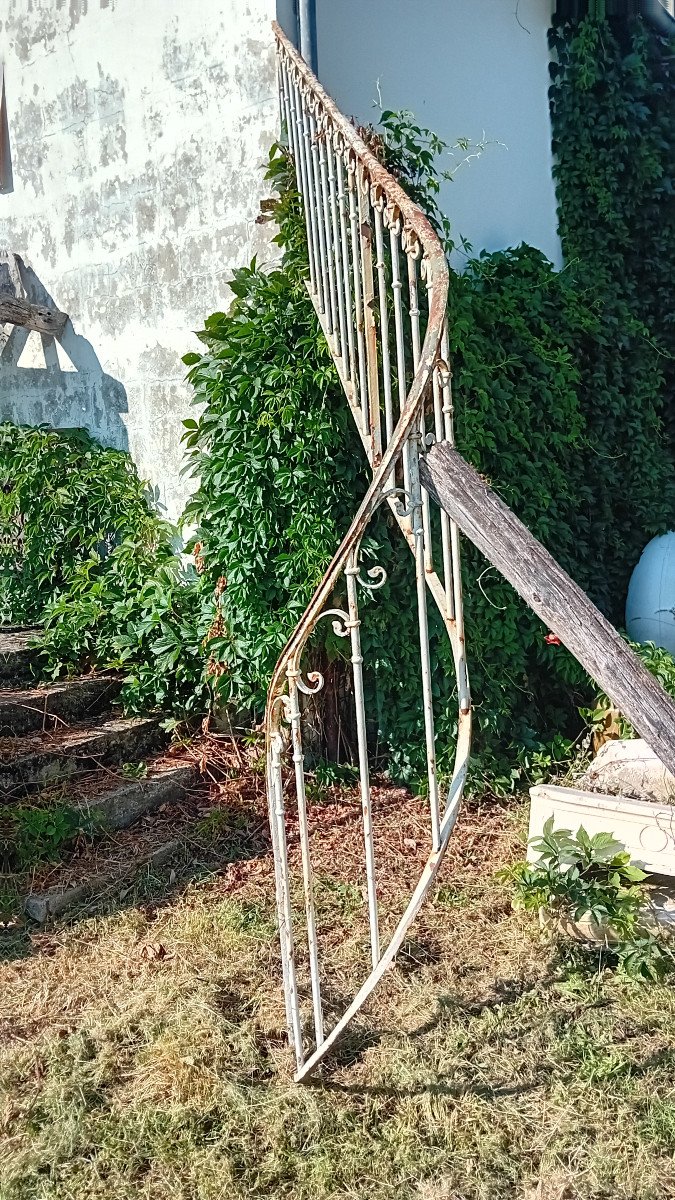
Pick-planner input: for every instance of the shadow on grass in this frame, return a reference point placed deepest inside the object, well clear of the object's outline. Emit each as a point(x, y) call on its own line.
point(441, 1087)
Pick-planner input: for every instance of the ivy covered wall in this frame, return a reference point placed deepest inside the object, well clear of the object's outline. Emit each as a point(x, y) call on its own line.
point(613, 118)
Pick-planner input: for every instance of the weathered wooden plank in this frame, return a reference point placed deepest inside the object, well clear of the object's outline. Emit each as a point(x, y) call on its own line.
point(553, 596)
point(14, 311)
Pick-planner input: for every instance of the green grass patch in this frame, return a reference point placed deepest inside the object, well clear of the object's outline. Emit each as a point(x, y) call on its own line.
point(143, 1056)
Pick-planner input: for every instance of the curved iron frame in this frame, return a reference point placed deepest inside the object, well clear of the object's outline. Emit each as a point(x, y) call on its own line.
point(354, 298)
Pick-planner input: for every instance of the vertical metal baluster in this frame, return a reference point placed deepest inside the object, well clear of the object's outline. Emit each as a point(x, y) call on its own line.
point(283, 99)
point(372, 413)
point(293, 123)
point(288, 110)
point(378, 199)
point(448, 586)
point(317, 207)
point(275, 789)
point(294, 717)
point(458, 606)
point(308, 200)
point(344, 244)
point(358, 302)
point(274, 765)
point(422, 536)
point(414, 313)
point(440, 433)
point(448, 407)
point(327, 231)
point(285, 909)
point(339, 273)
point(397, 289)
point(354, 624)
point(301, 146)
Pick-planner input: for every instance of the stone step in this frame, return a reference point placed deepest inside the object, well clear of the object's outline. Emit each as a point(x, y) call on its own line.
point(23, 710)
point(122, 806)
point(147, 827)
point(33, 762)
point(16, 655)
point(55, 901)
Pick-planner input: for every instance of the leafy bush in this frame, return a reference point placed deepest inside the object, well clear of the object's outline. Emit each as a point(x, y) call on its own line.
point(65, 501)
point(97, 568)
point(280, 472)
point(581, 877)
point(140, 611)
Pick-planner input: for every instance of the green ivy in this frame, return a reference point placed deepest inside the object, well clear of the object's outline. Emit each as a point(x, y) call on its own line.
point(86, 556)
point(612, 103)
point(277, 460)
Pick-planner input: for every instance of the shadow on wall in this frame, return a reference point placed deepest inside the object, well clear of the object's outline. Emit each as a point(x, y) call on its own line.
point(45, 382)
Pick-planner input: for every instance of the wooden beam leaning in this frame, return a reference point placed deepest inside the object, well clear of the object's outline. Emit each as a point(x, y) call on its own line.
point(14, 311)
point(563, 607)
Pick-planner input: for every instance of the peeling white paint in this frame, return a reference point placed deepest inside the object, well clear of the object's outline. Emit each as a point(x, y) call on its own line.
point(139, 134)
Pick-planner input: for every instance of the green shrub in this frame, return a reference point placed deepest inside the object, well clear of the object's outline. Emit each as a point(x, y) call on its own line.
point(279, 467)
point(579, 877)
point(65, 500)
point(88, 558)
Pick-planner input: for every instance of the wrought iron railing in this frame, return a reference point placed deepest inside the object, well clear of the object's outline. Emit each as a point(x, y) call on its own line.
point(378, 278)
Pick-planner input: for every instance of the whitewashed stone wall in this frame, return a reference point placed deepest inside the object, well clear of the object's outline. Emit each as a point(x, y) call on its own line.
point(138, 133)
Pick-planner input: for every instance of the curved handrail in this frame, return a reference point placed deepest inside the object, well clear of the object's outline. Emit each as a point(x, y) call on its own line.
point(343, 225)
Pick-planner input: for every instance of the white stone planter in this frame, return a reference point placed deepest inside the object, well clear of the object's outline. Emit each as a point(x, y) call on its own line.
point(646, 830)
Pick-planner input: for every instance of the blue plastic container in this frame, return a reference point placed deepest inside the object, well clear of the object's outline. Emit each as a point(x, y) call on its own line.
point(651, 595)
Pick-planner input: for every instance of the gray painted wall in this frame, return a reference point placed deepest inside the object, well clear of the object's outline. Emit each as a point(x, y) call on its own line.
point(466, 68)
point(138, 134)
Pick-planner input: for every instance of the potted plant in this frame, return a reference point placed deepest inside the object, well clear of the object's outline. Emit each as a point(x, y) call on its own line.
point(587, 888)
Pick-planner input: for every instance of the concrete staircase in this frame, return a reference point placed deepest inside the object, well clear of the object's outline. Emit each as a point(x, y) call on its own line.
point(63, 749)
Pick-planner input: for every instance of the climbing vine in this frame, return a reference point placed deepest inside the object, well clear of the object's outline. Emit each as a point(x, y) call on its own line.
point(559, 383)
point(612, 103)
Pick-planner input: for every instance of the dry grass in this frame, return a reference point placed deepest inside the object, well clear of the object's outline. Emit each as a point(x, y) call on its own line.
point(143, 1056)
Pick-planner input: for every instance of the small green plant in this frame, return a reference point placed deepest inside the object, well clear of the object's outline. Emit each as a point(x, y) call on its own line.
point(331, 774)
point(137, 770)
point(581, 877)
point(345, 899)
point(645, 958)
point(40, 834)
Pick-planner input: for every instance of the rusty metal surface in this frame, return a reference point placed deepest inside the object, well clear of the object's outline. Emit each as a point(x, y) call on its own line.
point(348, 197)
